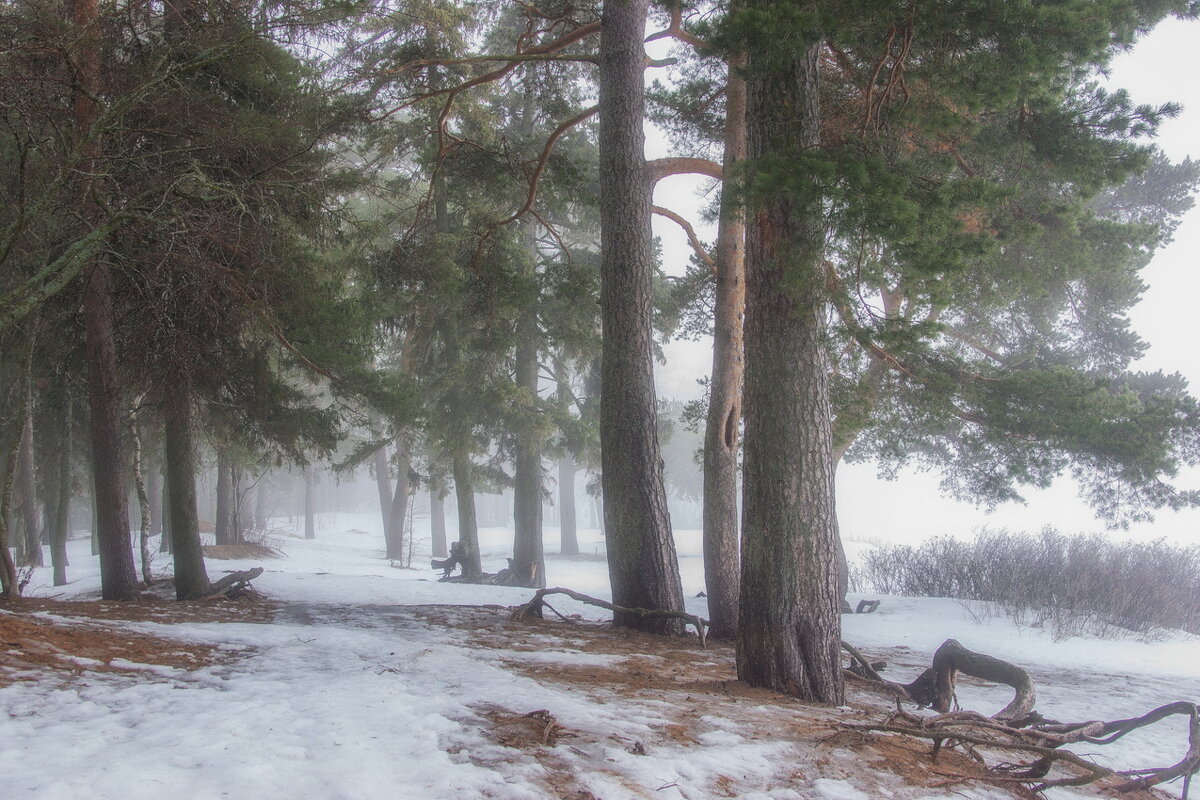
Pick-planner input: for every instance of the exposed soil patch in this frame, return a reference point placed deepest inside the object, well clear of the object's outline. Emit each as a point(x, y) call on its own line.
point(691, 689)
point(248, 552)
point(61, 640)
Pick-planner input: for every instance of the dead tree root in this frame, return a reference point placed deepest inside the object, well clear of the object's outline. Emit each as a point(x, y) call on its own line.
point(1018, 729)
point(534, 608)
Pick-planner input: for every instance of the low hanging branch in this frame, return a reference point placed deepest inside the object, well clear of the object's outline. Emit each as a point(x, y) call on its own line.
point(537, 603)
point(1017, 728)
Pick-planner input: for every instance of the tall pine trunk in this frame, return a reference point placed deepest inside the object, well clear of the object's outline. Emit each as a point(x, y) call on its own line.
point(383, 484)
point(31, 548)
point(155, 494)
point(529, 561)
point(437, 520)
point(191, 578)
point(468, 527)
point(223, 526)
point(62, 510)
point(642, 564)
point(398, 507)
point(165, 545)
point(720, 511)
point(118, 577)
point(789, 628)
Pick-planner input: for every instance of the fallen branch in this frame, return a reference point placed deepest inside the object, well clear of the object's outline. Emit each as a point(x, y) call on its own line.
point(234, 583)
point(534, 609)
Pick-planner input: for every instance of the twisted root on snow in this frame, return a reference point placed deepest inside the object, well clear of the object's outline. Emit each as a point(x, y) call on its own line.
point(1018, 728)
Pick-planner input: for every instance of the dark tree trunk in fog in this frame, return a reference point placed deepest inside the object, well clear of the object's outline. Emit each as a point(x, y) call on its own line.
point(31, 549)
point(223, 525)
point(437, 521)
point(569, 536)
point(721, 530)
point(642, 565)
point(118, 577)
point(310, 522)
point(154, 490)
point(398, 508)
point(383, 485)
point(789, 629)
point(166, 546)
point(62, 510)
point(468, 528)
point(191, 578)
point(529, 562)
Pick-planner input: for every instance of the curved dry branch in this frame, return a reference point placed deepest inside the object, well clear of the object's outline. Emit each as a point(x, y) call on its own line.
point(697, 245)
point(534, 609)
point(660, 168)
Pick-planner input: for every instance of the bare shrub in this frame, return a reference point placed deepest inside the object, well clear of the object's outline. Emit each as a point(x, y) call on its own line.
point(1070, 585)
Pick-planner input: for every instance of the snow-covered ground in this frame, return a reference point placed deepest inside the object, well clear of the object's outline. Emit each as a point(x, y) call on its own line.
point(352, 694)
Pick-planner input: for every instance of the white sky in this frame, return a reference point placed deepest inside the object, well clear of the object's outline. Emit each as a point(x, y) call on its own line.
point(1165, 66)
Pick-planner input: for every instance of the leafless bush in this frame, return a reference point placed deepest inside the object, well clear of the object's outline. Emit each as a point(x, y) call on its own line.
point(1068, 584)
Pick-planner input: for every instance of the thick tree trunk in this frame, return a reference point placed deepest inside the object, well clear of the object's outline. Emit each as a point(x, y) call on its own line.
point(31, 549)
point(223, 525)
point(310, 522)
point(437, 521)
point(118, 577)
point(642, 565)
point(529, 561)
point(468, 528)
point(8, 568)
point(789, 628)
point(191, 578)
point(720, 511)
point(569, 534)
point(398, 507)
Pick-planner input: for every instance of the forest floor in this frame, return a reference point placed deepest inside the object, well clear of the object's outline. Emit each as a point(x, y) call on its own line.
point(341, 691)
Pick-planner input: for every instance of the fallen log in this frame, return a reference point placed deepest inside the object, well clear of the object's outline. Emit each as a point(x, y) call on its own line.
point(234, 583)
point(534, 607)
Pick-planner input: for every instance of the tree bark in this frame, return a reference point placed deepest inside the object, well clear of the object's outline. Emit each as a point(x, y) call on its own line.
point(468, 528)
point(31, 549)
point(529, 561)
point(223, 527)
point(437, 521)
point(383, 485)
point(62, 511)
point(155, 493)
point(191, 578)
point(721, 430)
point(642, 565)
point(118, 577)
point(398, 508)
point(165, 546)
point(143, 501)
point(789, 627)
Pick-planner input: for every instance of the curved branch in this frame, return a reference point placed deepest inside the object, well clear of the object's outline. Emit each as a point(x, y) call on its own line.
point(697, 246)
point(534, 182)
point(660, 168)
